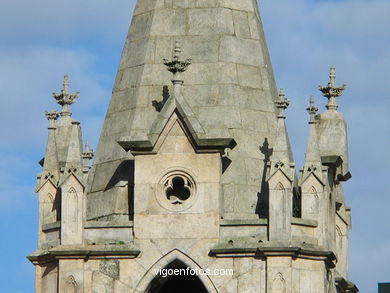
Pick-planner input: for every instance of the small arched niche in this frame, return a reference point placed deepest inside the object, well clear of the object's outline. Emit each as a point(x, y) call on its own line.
point(184, 281)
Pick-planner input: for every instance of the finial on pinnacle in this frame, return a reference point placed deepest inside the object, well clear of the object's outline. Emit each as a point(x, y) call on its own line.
point(312, 110)
point(331, 91)
point(282, 104)
point(88, 154)
point(176, 66)
point(52, 116)
point(65, 99)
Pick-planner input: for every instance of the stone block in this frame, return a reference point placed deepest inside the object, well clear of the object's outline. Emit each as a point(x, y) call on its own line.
point(138, 52)
point(169, 22)
point(123, 100)
point(258, 232)
point(241, 24)
point(211, 73)
point(254, 120)
point(200, 48)
point(210, 22)
point(131, 272)
point(110, 268)
point(254, 171)
point(143, 118)
point(255, 29)
point(246, 5)
point(246, 199)
point(201, 95)
point(219, 117)
point(147, 6)
point(205, 3)
point(118, 122)
point(250, 76)
point(128, 78)
point(242, 51)
point(255, 99)
point(183, 4)
point(140, 25)
point(176, 226)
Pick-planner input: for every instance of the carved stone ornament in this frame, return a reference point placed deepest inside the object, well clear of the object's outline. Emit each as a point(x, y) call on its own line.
point(176, 190)
point(176, 65)
point(331, 91)
point(65, 99)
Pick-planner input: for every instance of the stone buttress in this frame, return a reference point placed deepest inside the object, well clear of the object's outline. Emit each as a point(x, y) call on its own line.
point(194, 170)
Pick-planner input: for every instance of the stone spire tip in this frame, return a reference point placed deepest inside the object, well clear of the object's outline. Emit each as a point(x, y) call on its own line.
point(52, 116)
point(331, 91)
point(88, 153)
point(312, 110)
point(64, 98)
point(282, 103)
point(176, 66)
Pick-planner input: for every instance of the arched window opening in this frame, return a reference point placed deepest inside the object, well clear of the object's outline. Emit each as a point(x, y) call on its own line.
point(185, 280)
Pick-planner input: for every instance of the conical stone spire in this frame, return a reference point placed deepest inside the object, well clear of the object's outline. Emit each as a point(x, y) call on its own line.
point(229, 87)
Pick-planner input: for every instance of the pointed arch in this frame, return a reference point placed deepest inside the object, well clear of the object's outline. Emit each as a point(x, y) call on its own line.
point(312, 201)
point(171, 258)
point(339, 237)
point(279, 284)
point(49, 198)
point(338, 231)
point(70, 285)
point(313, 191)
point(72, 192)
point(279, 186)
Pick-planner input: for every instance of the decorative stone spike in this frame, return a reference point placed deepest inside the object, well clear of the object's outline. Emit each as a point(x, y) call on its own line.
point(312, 110)
point(65, 99)
point(88, 154)
point(331, 91)
point(282, 104)
point(177, 67)
point(52, 116)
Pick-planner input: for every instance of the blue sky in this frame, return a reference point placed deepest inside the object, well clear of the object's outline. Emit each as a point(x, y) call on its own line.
point(41, 40)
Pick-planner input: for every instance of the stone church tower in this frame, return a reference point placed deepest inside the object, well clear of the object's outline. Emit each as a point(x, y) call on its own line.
point(194, 171)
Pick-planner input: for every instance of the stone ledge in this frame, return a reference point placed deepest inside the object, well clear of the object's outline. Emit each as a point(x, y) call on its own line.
point(304, 222)
point(270, 251)
point(102, 225)
point(84, 252)
point(264, 222)
point(51, 226)
point(255, 222)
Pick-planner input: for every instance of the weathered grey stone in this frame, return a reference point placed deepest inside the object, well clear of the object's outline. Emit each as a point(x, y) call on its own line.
point(241, 24)
point(194, 169)
point(110, 268)
point(210, 22)
point(241, 51)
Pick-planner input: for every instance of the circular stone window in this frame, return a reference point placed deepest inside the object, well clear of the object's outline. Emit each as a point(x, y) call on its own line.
point(176, 191)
